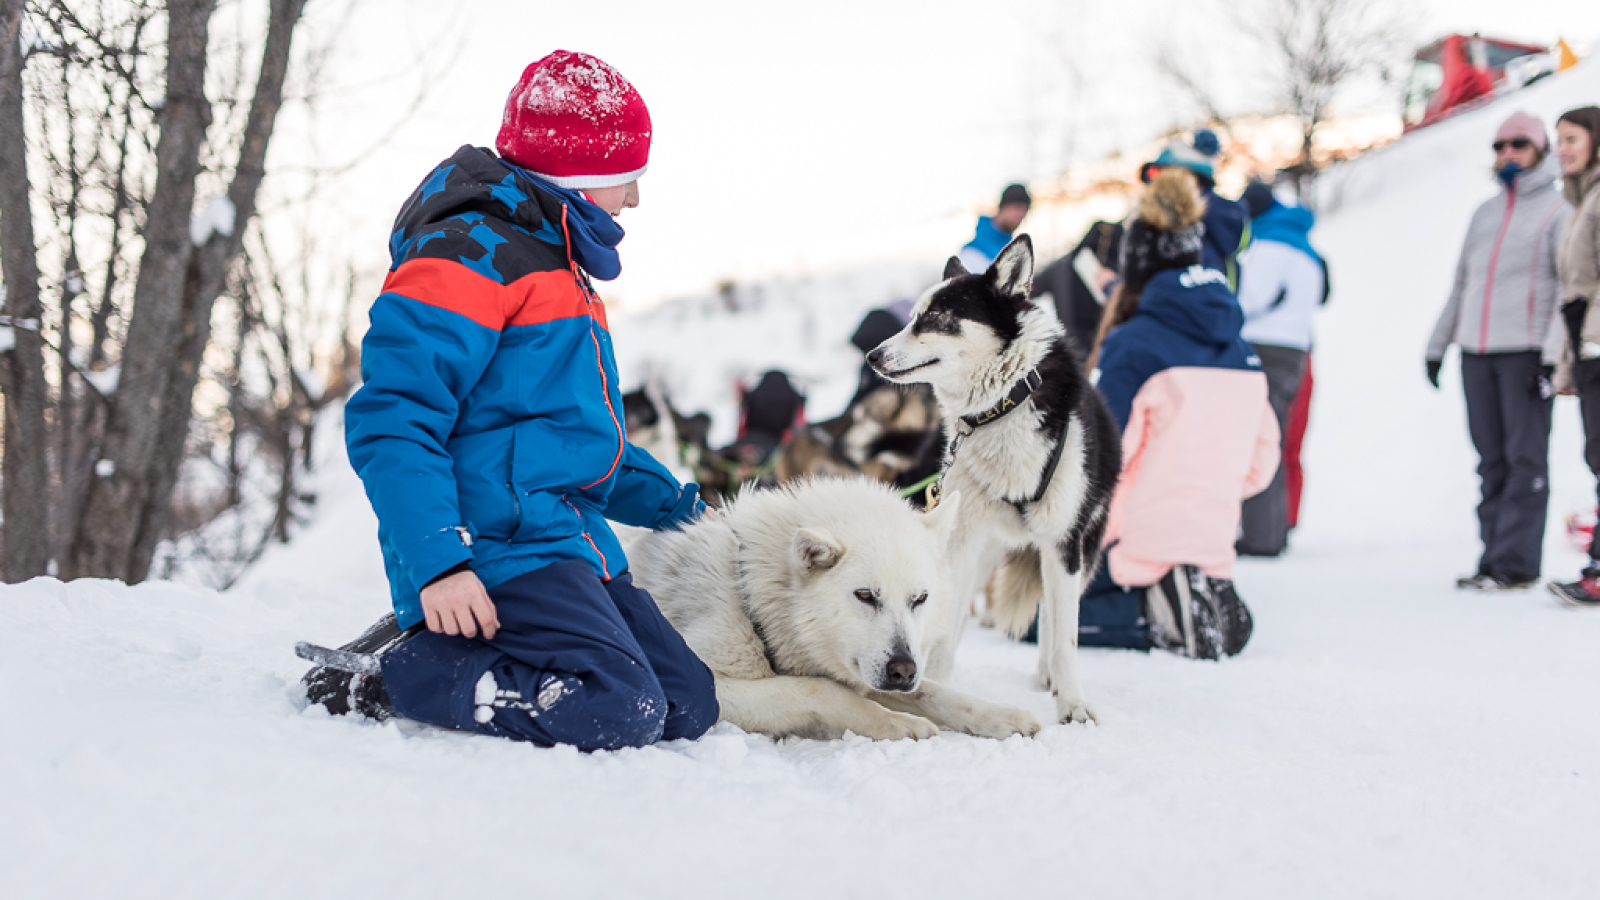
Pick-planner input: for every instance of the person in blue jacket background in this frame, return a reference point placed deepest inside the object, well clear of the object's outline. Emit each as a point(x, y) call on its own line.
point(994, 232)
point(489, 436)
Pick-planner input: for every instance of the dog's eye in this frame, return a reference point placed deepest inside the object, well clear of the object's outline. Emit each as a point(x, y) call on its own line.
point(919, 599)
point(868, 597)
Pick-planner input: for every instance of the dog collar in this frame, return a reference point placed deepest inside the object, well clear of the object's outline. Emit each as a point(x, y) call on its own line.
point(1013, 399)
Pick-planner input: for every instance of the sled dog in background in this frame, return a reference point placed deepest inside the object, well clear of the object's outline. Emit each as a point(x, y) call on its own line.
point(814, 604)
point(1032, 449)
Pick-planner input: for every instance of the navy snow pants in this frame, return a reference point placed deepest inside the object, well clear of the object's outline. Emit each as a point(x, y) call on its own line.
point(1510, 427)
point(576, 661)
point(1109, 615)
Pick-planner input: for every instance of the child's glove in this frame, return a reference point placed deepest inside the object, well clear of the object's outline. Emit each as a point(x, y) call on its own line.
point(1433, 372)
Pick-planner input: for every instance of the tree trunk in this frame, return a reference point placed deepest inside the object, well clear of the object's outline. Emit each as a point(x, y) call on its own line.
point(119, 500)
point(149, 425)
point(26, 531)
point(208, 276)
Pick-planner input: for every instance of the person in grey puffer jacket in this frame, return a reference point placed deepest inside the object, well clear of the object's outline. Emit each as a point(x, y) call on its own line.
point(1503, 314)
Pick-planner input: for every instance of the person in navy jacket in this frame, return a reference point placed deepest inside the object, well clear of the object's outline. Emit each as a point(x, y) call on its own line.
point(489, 436)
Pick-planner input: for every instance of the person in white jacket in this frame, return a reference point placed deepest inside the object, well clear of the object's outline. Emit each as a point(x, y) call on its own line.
point(1283, 282)
point(1503, 314)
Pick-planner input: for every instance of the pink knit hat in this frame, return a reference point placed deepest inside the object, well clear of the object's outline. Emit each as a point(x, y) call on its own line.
point(1523, 125)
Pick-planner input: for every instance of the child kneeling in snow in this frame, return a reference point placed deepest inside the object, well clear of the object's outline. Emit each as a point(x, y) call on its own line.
point(489, 436)
point(1198, 435)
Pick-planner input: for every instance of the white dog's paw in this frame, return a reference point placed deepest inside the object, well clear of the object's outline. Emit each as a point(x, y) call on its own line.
point(1001, 722)
point(1044, 674)
point(1074, 711)
point(894, 726)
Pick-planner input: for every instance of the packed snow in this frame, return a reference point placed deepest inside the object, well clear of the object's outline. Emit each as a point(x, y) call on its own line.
point(1382, 736)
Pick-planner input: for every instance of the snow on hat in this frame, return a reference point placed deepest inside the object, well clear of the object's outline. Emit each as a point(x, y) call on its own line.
point(576, 122)
point(1015, 194)
point(1180, 153)
point(1523, 125)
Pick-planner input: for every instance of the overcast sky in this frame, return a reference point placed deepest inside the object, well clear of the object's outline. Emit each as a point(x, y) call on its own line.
point(798, 136)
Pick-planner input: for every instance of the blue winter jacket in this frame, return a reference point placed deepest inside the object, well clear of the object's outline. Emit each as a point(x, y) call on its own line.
point(987, 241)
point(1187, 318)
point(489, 428)
point(1287, 225)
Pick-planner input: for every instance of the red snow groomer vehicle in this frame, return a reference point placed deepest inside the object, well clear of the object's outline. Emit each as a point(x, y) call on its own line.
point(1459, 72)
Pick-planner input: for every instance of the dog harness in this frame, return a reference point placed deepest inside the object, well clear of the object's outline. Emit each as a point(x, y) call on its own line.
point(966, 425)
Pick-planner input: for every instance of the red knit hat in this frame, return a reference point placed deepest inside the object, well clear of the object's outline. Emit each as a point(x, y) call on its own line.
point(576, 122)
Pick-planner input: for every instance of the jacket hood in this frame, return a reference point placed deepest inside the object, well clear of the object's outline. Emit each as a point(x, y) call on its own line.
point(1195, 302)
point(474, 184)
point(1540, 177)
point(471, 181)
point(1286, 225)
point(1283, 218)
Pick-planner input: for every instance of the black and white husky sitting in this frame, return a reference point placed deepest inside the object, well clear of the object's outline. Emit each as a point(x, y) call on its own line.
point(1031, 447)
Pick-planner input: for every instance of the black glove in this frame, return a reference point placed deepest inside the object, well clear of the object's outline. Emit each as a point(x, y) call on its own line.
point(1433, 372)
point(1542, 385)
point(1572, 313)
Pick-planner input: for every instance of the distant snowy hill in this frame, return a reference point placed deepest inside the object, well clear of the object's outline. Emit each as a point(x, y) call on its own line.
point(1382, 736)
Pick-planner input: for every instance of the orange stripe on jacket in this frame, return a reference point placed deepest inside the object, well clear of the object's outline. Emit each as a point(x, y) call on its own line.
point(450, 286)
point(534, 299)
point(548, 296)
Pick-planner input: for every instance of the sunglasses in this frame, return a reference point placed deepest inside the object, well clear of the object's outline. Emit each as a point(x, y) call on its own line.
point(1514, 143)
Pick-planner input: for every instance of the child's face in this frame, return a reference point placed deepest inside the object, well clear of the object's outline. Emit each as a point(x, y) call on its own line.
point(615, 199)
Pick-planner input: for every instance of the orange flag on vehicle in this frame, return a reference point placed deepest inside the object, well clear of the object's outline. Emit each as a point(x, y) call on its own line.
point(1565, 58)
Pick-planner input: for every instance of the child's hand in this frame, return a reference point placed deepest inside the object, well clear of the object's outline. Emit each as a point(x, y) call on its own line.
point(459, 605)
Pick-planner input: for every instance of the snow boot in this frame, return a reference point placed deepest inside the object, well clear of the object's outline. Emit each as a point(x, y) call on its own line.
point(335, 681)
point(1583, 593)
point(1234, 617)
point(1183, 614)
point(1491, 583)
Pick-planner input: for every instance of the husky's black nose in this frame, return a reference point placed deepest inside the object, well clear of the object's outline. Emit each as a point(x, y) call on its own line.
point(875, 358)
point(900, 673)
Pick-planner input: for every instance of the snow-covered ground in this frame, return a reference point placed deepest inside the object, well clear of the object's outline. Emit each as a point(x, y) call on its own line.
point(1382, 736)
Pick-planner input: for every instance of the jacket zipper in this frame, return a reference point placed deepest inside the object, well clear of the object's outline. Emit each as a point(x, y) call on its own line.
point(1494, 261)
point(605, 383)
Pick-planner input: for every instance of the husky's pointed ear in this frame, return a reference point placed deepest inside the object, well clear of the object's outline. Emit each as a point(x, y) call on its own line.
point(941, 520)
point(954, 268)
point(1012, 271)
point(816, 550)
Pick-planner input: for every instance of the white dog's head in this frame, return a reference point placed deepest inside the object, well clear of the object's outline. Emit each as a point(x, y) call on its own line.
point(969, 333)
point(865, 585)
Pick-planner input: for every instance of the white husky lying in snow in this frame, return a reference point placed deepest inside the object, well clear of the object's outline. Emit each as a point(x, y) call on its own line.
point(813, 605)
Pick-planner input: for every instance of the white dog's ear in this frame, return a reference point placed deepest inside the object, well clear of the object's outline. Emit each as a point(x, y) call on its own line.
point(816, 550)
point(942, 518)
point(1012, 271)
point(954, 268)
